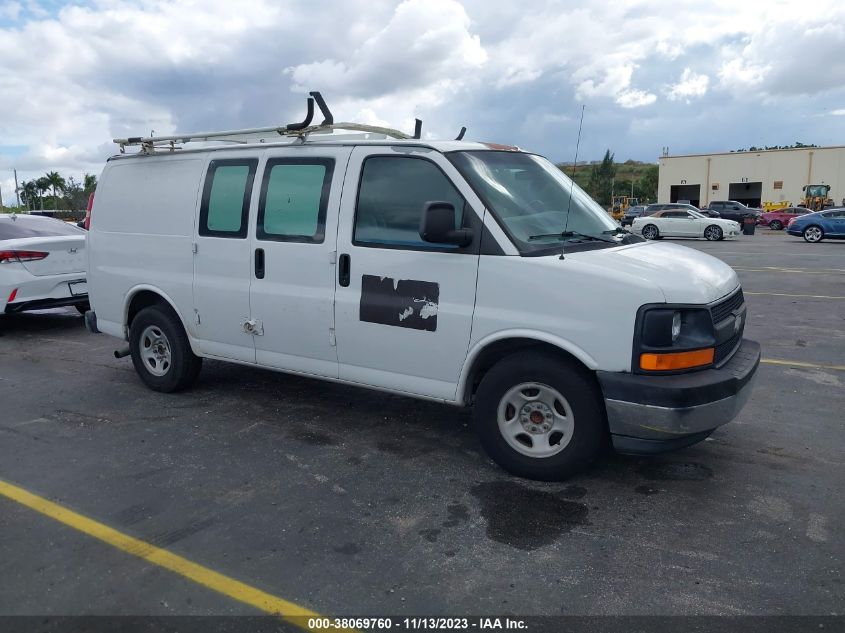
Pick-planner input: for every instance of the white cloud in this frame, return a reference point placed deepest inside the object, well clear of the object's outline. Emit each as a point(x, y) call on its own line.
point(689, 86)
point(10, 10)
point(635, 98)
point(425, 47)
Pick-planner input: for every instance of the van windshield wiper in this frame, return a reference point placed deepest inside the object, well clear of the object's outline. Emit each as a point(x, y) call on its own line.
point(568, 234)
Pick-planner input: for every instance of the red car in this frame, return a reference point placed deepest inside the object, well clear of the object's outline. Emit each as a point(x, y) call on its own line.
point(776, 220)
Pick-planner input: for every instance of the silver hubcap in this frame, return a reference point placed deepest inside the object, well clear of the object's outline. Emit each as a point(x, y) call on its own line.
point(649, 232)
point(155, 350)
point(813, 234)
point(712, 233)
point(535, 420)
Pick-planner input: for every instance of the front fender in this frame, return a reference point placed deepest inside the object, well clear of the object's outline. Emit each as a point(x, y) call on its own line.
point(535, 335)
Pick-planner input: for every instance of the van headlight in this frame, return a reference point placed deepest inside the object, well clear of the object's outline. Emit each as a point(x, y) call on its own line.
point(671, 339)
point(676, 326)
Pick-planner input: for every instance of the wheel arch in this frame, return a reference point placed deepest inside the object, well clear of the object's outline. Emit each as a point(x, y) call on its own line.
point(144, 296)
point(489, 350)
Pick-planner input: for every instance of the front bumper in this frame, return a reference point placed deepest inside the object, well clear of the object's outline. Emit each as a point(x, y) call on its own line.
point(651, 414)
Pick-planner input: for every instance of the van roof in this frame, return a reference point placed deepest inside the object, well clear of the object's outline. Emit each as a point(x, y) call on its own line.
point(437, 145)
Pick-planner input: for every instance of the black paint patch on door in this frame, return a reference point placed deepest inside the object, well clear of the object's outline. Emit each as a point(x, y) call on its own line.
point(404, 303)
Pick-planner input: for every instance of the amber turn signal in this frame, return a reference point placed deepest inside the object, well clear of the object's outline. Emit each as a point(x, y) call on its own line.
point(676, 360)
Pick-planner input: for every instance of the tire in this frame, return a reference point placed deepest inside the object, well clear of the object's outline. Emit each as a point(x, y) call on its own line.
point(82, 308)
point(713, 233)
point(575, 414)
point(813, 234)
point(776, 225)
point(161, 352)
point(650, 232)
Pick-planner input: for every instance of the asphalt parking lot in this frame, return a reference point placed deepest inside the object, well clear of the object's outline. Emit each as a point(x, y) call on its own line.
point(347, 501)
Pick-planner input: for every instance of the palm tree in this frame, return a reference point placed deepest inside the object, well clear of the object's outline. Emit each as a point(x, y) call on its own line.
point(29, 193)
point(43, 186)
point(89, 183)
point(56, 183)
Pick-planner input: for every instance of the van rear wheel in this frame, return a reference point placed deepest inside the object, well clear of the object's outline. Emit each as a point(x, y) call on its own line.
point(161, 352)
point(539, 417)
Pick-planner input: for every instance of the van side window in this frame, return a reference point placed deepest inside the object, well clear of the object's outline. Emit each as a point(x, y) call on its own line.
point(294, 197)
point(391, 197)
point(225, 197)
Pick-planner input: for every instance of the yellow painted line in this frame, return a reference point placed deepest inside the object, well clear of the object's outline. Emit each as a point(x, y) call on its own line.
point(798, 363)
point(204, 576)
point(783, 294)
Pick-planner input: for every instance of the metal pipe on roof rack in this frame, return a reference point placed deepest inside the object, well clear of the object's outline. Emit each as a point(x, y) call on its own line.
point(198, 136)
point(308, 117)
point(327, 114)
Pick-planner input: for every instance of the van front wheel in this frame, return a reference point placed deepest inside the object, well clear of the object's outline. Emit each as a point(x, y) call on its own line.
point(539, 416)
point(161, 352)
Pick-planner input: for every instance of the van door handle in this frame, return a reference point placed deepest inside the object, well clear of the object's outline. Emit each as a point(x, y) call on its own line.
point(344, 266)
point(259, 263)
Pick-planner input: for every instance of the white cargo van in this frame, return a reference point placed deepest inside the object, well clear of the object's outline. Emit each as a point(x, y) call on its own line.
point(467, 273)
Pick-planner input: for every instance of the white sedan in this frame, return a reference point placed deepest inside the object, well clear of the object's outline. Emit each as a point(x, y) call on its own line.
point(683, 223)
point(42, 264)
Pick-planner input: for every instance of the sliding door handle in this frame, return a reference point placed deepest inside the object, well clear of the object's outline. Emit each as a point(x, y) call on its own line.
point(259, 263)
point(344, 268)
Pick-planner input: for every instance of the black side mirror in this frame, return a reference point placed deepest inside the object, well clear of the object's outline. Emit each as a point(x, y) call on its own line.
point(437, 225)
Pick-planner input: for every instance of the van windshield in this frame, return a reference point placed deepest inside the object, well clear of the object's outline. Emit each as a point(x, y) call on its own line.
point(534, 201)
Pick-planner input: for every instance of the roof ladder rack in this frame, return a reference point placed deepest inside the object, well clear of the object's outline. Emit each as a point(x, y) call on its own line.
point(300, 130)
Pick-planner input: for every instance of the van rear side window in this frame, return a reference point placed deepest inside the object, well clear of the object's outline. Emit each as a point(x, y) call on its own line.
point(294, 197)
point(226, 196)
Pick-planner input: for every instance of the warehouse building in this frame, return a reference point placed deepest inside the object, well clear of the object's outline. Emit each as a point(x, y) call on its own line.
point(751, 177)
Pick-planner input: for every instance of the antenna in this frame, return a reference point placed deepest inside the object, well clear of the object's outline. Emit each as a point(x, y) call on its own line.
point(572, 184)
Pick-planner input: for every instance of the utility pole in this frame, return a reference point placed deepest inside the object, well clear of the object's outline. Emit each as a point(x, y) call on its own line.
point(17, 189)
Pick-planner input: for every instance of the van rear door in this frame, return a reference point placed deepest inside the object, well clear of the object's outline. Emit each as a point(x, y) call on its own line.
point(222, 259)
point(293, 243)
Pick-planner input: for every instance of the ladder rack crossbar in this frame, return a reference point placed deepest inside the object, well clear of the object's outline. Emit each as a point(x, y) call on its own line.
point(151, 143)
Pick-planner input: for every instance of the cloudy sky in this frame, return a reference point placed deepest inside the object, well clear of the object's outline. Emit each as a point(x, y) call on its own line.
point(696, 76)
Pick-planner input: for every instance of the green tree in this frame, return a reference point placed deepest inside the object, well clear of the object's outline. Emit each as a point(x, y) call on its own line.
point(647, 184)
point(601, 179)
point(89, 183)
point(75, 197)
point(55, 182)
